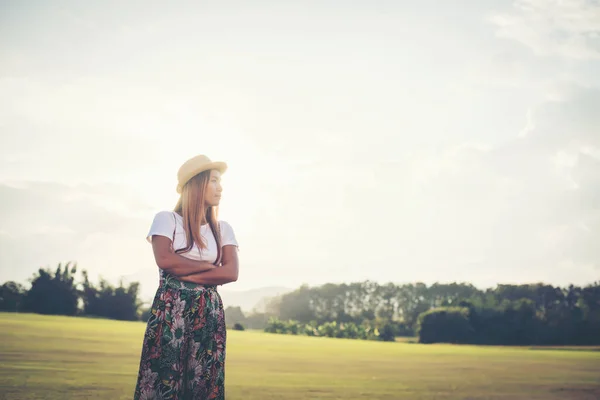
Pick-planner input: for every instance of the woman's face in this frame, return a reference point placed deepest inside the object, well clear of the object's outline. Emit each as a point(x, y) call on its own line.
point(212, 193)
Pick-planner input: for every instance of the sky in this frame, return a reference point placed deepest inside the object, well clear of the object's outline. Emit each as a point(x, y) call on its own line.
point(394, 141)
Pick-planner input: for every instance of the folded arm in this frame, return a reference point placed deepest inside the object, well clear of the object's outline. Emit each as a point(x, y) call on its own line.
point(226, 273)
point(173, 263)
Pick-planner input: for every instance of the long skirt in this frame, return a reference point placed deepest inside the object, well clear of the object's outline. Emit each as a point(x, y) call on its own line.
point(183, 353)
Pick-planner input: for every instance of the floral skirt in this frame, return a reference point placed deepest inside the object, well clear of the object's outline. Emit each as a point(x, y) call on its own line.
point(183, 354)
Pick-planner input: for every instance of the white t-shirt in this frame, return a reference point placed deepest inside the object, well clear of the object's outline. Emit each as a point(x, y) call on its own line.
point(165, 222)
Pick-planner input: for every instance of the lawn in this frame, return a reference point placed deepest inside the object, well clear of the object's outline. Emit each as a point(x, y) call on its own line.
point(79, 358)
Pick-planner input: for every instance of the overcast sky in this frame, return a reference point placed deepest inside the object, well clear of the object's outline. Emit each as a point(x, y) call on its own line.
point(385, 140)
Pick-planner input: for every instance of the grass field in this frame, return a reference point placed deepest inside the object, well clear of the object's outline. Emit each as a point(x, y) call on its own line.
point(76, 358)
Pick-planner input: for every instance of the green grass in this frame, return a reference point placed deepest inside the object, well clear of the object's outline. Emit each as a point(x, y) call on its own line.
point(79, 358)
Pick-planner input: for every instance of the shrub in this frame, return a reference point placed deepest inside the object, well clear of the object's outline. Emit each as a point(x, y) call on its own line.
point(445, 324)
point(238, 327)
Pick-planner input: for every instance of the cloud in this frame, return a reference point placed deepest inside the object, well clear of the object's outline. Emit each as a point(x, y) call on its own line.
point(527, 207)
point(99, 226)
point(569, 29)
point(436, 155)
point(569, 119)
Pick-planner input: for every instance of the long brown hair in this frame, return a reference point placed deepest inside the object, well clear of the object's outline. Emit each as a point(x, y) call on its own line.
point(192, 208)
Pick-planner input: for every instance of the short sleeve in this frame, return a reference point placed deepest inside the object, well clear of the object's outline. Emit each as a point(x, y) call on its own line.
point(227, 235)
point(163, 225)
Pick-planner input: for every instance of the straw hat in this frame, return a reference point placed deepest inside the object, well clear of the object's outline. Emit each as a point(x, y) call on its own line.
point(194, 166)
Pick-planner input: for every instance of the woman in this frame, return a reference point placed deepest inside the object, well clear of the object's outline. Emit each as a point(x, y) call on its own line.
point(183, 354)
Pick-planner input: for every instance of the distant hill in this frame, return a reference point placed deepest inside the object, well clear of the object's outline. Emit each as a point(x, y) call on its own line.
point(252, 298)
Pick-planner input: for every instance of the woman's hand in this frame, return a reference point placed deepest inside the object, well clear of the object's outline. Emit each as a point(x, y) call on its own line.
point(173, 263)
point(226, 273)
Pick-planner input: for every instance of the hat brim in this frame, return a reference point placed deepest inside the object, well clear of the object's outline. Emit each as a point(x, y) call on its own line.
point(218, 165)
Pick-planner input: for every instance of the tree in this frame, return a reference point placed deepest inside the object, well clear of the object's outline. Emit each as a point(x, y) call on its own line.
point(104, 300)
point(11, 296)
point(234, 315)
point(53, 293)
point(297, 305)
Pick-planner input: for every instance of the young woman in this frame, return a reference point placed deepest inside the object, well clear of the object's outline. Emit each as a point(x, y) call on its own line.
point(183, 353)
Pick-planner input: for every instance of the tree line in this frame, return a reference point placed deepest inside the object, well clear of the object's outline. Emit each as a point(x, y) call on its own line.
point(59, 292)
point(455, 313)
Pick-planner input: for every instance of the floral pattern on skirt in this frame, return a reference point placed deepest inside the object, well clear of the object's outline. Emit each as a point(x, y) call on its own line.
point(183, 354)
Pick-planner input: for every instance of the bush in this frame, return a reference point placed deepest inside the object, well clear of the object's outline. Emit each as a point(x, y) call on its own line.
point(445, 324)
point(311, 329)
point(292, 327)
point(387, 331)
point(238, 327)
point(275, 325)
